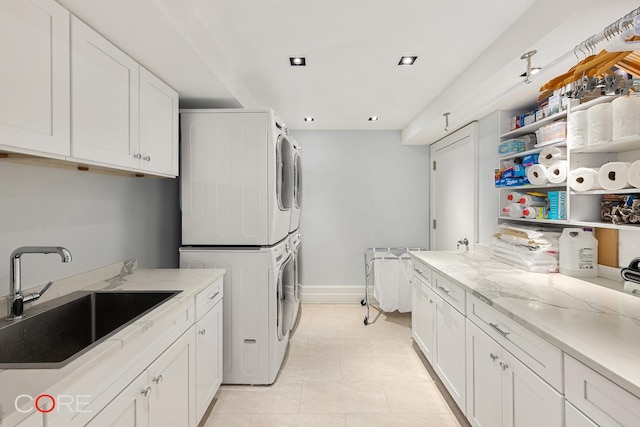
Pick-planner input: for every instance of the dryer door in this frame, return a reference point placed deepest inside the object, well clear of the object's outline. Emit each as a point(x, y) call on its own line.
point(284, 175)
point(286, 281)
point(296, 275)
point(297, 194)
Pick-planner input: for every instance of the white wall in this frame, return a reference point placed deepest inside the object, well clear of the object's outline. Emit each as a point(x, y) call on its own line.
point(101, 219)
point(488, 139)
point(361, 189)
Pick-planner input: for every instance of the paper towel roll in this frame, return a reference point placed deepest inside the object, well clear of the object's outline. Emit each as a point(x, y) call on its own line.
point(577, 129)
point(600, 124)
point(614, 176)
point(557, 172)
point(625, 113)
point(633, 176)
point(537, 175)
point(550, 155)
point(584, 179)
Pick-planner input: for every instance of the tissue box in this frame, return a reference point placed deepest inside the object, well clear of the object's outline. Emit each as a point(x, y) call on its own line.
point(557, 205)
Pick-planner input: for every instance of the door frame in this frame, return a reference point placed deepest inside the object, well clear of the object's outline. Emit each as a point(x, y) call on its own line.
point(469, 131)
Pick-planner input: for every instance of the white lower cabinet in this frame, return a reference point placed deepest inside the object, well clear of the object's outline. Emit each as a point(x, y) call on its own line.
point(161, 395)
point(502, 391)
point(574, 418)
point(208, 358)
point(423, 325)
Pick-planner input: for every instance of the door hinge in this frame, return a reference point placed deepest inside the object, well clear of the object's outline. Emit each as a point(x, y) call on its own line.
point(434, 165)
point(434, 224)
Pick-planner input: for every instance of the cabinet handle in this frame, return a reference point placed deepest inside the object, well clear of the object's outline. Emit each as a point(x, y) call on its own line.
point(137, 156)
point(157, 379)
point(493, 357)
point(146, 391)
point(504, 366)
point(202, 331)
point(431, 301)
point(214, 295)
point(418, 270)
point(445, 290)
point(147, 158)
point(497, 328)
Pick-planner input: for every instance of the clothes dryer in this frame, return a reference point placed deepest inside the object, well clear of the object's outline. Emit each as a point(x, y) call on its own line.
point(236, 177)
point(296, 252)
point(297, 187)
point(256, 315)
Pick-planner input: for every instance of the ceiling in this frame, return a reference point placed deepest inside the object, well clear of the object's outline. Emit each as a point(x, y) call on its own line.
point(235, 53)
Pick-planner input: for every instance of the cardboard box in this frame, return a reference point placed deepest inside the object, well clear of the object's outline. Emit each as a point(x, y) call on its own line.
point(557, 205)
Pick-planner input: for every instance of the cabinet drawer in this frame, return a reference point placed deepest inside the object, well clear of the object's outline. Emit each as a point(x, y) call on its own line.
point(422, 271)
point(449, 291)
point(208, 297)
point(539, 355)
point(575, 418)
point(600, 399)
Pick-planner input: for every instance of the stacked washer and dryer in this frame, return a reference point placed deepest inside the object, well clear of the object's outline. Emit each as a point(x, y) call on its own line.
point(240, 201)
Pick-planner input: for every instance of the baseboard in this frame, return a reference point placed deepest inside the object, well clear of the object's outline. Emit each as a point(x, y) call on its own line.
point(332, 294)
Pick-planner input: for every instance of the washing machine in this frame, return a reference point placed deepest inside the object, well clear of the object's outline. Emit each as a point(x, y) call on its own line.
point(256, 315)
point(237, 178)
point(297, 187)
point(296, 252)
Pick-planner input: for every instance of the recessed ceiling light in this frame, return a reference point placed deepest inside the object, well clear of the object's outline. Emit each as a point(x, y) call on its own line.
point(534, 70)
point(298, 61)
point(407, 60)
point(373, 119)
point(309, 119)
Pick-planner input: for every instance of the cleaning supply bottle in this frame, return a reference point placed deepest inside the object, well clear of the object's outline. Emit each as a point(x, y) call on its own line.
point(513, 210)
point(529, 200)
point(578, 253)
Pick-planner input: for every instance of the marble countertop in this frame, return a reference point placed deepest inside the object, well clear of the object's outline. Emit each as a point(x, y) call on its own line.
point(594, 324)
point(113, 355)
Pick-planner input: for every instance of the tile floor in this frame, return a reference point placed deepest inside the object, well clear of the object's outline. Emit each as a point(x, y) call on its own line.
point(339, 372)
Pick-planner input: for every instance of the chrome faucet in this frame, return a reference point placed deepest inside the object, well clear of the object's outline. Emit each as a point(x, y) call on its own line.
point(16, 299)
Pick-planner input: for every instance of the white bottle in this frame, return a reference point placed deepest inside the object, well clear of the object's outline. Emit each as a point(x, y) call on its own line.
point(514, 196)
point(578, 253)
point(513, 210)
point(529, 212)
point(530, 200)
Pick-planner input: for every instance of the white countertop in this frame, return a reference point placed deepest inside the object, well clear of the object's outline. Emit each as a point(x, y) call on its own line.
point(596, 325)
point(112, 354)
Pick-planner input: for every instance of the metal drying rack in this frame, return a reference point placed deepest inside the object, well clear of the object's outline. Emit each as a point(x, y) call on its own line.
point(369, 257)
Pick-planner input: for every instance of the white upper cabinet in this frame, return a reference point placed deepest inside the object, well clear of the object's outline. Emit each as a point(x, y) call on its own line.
point(104, 99)
point(158, 150)
point(34, 82)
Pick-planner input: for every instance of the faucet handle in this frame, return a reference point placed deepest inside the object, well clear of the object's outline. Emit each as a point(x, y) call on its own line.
point(35, 295)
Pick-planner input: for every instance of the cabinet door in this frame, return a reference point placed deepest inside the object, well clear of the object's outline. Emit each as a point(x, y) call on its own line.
point(34, 82)
point(172, 384)
point(158, 125)
point(104, 100)
point(484, 379)
point(130, 408)
point(208, 358)
point(574, 418)
point(423, 326)
point(449, 354)
point(528, 401)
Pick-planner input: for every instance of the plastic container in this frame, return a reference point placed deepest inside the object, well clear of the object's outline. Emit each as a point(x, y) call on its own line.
point(555, 132)
point(513, 210)
point(578, 253)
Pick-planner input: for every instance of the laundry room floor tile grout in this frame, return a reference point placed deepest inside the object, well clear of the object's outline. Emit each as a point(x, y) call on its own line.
point(339, 372)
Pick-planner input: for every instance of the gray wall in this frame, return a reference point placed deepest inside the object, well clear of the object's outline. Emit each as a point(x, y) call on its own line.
point(361, 189)
point(101, 219)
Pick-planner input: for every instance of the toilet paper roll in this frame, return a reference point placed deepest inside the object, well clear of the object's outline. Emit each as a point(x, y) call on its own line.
point(625, 113)
point(577, 129)
point(557, 172)
point(550, 155)
point(584, 179)
point(537, 175)
point(600, 124)
point(633, 176)
point(614, 176)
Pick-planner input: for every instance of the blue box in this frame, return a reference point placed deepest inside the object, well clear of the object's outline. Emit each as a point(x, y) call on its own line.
point(515, 171)
point(511, 146)
point(557, 205)
point(530, 159)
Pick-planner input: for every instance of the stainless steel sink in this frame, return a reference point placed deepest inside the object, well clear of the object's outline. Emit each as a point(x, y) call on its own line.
point(55, 333)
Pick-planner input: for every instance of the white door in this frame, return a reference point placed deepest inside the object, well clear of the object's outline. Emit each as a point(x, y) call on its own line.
point(34, 81)
point(423, 317)
point(130, 408)
point(454, 213)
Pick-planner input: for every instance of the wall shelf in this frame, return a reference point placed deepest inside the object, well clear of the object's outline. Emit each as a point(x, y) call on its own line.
point(534, 150)
point(561, 186)
point(623, 191)
point(615, 146)
point(531, 128)
point(536, 220)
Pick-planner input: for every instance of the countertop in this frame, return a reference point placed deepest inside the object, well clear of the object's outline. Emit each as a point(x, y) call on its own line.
point(596, 325)
point(114, 353)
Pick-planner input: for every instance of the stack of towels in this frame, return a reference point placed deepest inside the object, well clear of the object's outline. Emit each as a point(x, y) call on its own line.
point(631, 275)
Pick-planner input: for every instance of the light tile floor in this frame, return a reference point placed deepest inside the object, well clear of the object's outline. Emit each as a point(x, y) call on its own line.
point(339, 372)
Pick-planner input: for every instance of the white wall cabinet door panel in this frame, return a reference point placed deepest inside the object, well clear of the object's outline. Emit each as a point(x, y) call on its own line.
point(423, 318)
point(172, 382)
point(104, 99)
point(129, 409)
point(484, 379)
point(528, 401)
point(449, 356)
point(208, 358)
point(34, 82)
point(158, 125)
